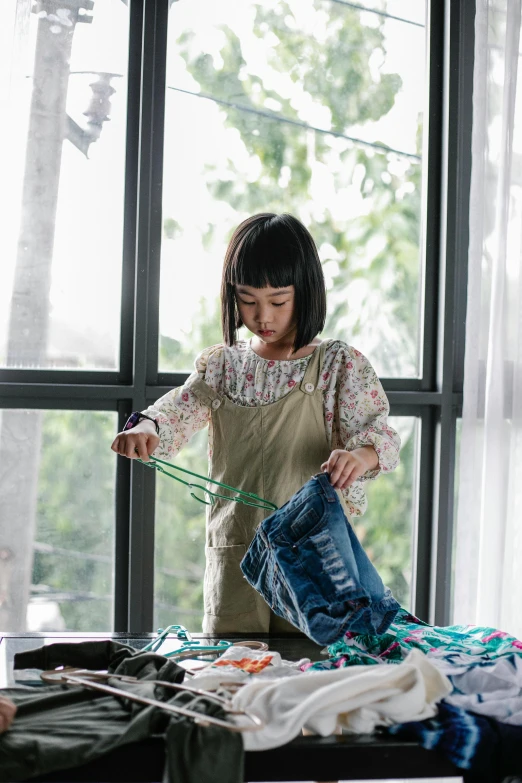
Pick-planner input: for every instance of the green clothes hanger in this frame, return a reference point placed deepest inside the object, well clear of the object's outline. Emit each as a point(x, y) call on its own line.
point(248, 498)
point(189, 644)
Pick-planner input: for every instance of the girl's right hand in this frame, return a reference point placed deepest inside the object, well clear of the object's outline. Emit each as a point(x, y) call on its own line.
point(140, 441)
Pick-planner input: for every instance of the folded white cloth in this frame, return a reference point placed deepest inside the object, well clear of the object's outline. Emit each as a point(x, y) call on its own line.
point(358, 698)
point(241, 664)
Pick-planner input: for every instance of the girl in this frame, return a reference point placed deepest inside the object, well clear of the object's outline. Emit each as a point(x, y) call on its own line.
point(280, 407)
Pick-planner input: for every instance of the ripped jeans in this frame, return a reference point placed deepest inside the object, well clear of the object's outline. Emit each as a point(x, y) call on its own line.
point(307, 563)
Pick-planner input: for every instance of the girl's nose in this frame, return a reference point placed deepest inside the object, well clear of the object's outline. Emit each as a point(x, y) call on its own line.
point(263, 315)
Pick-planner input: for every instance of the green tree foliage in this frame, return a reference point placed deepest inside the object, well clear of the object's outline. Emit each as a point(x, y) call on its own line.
point(386, 529)
point(334, 68)
point(75, 517)
point(180, 543)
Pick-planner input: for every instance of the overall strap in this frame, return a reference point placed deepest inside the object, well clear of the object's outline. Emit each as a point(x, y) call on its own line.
point(312, 375)
point(205, 393)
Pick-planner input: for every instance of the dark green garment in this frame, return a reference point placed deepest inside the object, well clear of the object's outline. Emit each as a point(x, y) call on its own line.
point(60, 727)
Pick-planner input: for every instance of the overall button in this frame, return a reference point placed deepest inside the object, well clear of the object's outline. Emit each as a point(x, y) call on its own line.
point(309, 387)
point(216, 404)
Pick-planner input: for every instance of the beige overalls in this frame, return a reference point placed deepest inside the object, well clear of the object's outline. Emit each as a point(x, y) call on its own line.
point(271, 450)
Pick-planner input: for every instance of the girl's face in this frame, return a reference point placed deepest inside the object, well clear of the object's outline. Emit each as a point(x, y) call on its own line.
point(268, 312)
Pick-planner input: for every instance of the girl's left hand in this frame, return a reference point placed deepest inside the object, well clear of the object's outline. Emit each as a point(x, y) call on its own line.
point(345, 467)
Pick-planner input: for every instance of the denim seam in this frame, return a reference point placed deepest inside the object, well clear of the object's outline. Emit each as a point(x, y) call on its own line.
point(293, 506)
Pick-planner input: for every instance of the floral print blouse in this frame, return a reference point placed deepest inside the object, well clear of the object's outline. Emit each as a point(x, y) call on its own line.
point(355, 405)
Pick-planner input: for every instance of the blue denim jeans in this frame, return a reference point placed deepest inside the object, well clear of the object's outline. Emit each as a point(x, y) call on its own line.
point(309, 566)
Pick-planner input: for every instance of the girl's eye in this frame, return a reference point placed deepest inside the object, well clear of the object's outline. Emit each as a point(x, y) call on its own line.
point(275, 304)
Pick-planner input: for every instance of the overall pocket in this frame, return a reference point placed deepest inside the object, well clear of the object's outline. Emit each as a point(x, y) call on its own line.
point(226, 592)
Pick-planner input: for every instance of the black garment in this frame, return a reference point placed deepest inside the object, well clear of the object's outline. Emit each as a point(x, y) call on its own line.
point(60, 727)
point(499, 752)
point(484, 749)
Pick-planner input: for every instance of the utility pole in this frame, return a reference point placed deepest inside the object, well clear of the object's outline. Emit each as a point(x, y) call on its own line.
point(20, 436)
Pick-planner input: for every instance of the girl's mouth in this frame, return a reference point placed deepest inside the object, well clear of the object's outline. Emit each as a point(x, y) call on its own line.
point(266, 332)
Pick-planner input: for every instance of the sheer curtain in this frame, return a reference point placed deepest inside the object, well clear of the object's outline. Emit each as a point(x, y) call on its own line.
point(488, 556)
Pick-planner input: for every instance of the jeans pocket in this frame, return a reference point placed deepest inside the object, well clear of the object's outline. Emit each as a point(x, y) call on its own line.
point(304, 523)
point(226, 592)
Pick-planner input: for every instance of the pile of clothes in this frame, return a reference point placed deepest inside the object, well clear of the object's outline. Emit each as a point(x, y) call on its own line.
point(478, 722)
point(308, 564)
point(455, 689)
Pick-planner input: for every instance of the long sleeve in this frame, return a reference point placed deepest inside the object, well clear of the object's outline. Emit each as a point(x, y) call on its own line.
point(180, 414)
point(362, 413)
point(356, 407)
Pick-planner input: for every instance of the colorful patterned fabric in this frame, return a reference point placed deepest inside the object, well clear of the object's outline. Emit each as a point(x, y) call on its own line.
point(355, 405)
point(484, 665)
point(484, 748)
point(460, 644)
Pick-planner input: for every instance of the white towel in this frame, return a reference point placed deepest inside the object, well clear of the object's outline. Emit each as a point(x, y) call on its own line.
point(358, 698)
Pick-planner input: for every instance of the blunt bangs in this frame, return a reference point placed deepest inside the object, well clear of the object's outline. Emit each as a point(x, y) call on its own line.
point(263, 259)
point(277, 251)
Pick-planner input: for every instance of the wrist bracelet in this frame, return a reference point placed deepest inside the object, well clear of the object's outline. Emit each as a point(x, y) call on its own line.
point(136, 417)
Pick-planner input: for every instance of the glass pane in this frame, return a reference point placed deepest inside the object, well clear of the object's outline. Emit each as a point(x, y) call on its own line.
point(385, 531)
point(62, 156)
point(56, 520)
point(285, 106)
point(180, 544)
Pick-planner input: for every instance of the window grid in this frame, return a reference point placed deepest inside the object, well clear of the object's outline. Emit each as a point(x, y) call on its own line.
point(436, 397)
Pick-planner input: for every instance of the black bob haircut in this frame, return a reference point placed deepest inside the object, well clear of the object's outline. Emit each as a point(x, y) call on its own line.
point(277, 251)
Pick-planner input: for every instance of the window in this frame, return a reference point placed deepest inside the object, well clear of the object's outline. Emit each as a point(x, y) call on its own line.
point(64, 156)
point(309, 108)
point(166, 124)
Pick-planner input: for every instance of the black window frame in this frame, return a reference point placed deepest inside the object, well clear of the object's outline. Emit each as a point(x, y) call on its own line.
point(435, 398)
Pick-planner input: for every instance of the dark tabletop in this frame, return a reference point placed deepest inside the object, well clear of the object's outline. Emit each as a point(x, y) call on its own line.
point(346, 757)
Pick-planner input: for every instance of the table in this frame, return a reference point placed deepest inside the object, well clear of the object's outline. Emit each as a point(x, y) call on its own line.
point(346, 757)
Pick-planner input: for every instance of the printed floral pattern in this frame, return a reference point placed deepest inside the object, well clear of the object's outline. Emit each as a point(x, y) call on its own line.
point(460, 645)
point(355, 405)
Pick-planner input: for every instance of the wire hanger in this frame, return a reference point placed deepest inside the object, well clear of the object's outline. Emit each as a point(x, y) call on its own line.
point(193, 648)
point(248, 498)
point(91, 680)
point(180, 631)
point(190, 645)
point(100, 676)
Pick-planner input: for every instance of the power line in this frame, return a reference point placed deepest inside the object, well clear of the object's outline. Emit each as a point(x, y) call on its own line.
point(279, 117)
point(299, 123)
point(379, 13)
